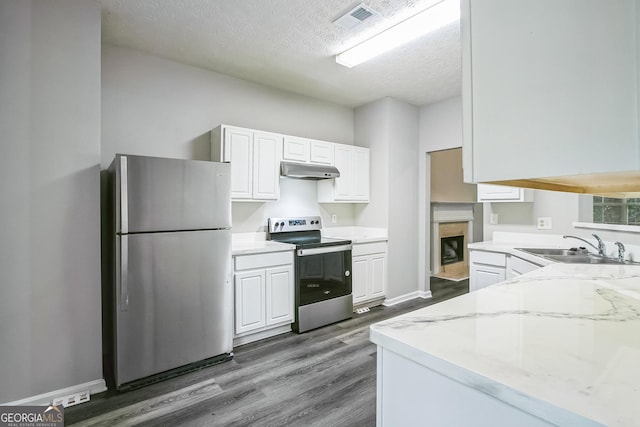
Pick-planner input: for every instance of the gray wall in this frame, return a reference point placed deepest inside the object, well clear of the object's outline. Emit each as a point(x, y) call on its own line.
point(157, 107)
point(390, 128)
point(50, 325)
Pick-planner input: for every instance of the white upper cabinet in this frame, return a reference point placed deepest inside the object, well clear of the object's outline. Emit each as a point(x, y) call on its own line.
point(353, 184)
point(295, 149)
point(255, 161)
point(503, 193)
point(322, 152)
point(550, 88)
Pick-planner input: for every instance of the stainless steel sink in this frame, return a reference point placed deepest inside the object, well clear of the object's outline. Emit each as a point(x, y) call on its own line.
point(572, 256)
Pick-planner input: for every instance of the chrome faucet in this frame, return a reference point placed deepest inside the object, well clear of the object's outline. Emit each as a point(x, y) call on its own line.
point(601, 248)
point(620, 251)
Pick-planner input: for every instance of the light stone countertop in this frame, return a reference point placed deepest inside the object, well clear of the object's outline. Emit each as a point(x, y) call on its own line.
point(561, 342)
point(256, 243)
point(357, 234)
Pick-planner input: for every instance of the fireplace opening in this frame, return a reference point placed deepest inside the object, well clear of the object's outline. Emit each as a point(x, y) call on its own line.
point(451, 250)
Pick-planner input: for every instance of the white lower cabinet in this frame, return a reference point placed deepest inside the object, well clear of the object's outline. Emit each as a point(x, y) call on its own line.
point(369, 268)
point(518, 266)
point(264, 295)
point(486, 268)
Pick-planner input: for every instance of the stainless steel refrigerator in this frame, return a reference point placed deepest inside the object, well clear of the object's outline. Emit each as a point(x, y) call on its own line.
point(170, 298)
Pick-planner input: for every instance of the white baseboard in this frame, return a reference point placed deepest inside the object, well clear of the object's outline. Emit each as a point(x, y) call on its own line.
point(96, 386)
point(406, 297)
point(268, 333)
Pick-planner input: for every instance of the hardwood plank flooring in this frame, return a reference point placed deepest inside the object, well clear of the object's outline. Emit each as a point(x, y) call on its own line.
point(325, 377)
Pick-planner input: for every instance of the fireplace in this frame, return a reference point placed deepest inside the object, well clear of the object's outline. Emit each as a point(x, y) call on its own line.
point(451, 232)
point(451, 250)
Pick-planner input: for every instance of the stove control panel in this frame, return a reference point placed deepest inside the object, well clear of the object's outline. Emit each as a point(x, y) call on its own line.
point(301, 223)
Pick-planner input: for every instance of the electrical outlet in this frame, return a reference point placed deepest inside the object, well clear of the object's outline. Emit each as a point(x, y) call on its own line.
point(544, 223)
point(334, 219)
point(493, 219)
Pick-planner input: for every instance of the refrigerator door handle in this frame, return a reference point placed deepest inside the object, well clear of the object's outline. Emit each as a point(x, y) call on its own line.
point(124, 196)
point(124, 273)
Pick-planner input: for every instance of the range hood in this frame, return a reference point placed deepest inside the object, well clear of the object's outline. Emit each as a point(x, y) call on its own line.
point(308, 171)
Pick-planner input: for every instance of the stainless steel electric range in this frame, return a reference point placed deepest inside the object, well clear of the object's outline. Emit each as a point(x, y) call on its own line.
point(322, 272)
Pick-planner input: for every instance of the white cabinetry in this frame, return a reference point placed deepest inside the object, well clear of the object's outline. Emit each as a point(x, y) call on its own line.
point(486, 268)
point(518, 266)
point(503, 193)
point(369, 268)
point(264, 295)
point(255, 161)
point(353, 184)
point(295, 149)
point(549, 94)
point(321, 152)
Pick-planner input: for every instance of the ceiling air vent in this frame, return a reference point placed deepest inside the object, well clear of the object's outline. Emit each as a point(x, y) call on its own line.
point(355, 16)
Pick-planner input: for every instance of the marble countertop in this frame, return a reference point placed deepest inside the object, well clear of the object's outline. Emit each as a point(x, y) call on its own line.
point(256, 243)
point(357, 234)
point(561, 342)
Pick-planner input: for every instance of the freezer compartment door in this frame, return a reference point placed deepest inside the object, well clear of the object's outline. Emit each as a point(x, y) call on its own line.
point(174, 301)
point(157, 194)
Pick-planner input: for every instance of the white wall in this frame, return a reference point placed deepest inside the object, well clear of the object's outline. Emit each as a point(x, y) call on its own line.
point(157, 107)
point(403, 200)
point(50, 325)
point(371, 128)
point(440, 129)
point(390, 129)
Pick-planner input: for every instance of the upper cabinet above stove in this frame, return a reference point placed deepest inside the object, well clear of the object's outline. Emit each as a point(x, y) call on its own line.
point(304, 150)
point(550, 94)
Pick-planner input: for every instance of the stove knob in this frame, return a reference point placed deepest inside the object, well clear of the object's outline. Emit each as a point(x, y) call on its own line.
point(276, 226)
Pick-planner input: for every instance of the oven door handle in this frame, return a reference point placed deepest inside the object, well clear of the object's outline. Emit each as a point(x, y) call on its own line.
point(323, 250)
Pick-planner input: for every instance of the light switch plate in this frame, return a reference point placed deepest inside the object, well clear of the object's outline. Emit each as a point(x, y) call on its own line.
point(493, 219)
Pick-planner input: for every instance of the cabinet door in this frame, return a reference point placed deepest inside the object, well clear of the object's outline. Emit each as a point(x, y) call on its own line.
point(342, 185)
point(280, 295)
point(249, 300)
point(488, 193)
point(378, 266)
point(295, 149)
point(322, 152)
point(359, 278)
point(266, 166)
point(482, 276)
point(360, 174)
point(238, 149)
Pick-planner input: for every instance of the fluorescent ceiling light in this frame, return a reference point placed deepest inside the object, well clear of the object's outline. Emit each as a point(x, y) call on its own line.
point(431, 19)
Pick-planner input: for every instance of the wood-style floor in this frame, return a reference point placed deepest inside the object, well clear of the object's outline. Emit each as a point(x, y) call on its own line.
point(325, 377)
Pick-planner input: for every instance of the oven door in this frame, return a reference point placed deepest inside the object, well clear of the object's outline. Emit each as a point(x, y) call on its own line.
point(323, 273)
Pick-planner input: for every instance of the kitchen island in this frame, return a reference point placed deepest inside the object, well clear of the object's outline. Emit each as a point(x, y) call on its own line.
point(556, 346)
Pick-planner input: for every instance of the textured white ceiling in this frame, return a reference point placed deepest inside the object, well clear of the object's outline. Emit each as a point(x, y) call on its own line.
point(291, 44)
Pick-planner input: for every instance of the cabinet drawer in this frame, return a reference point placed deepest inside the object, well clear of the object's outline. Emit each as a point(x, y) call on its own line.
point(271, 259)
point(369, 248)
point(488, 258)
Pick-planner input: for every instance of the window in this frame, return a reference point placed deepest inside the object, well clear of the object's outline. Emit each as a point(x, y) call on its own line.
point(608, 210)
